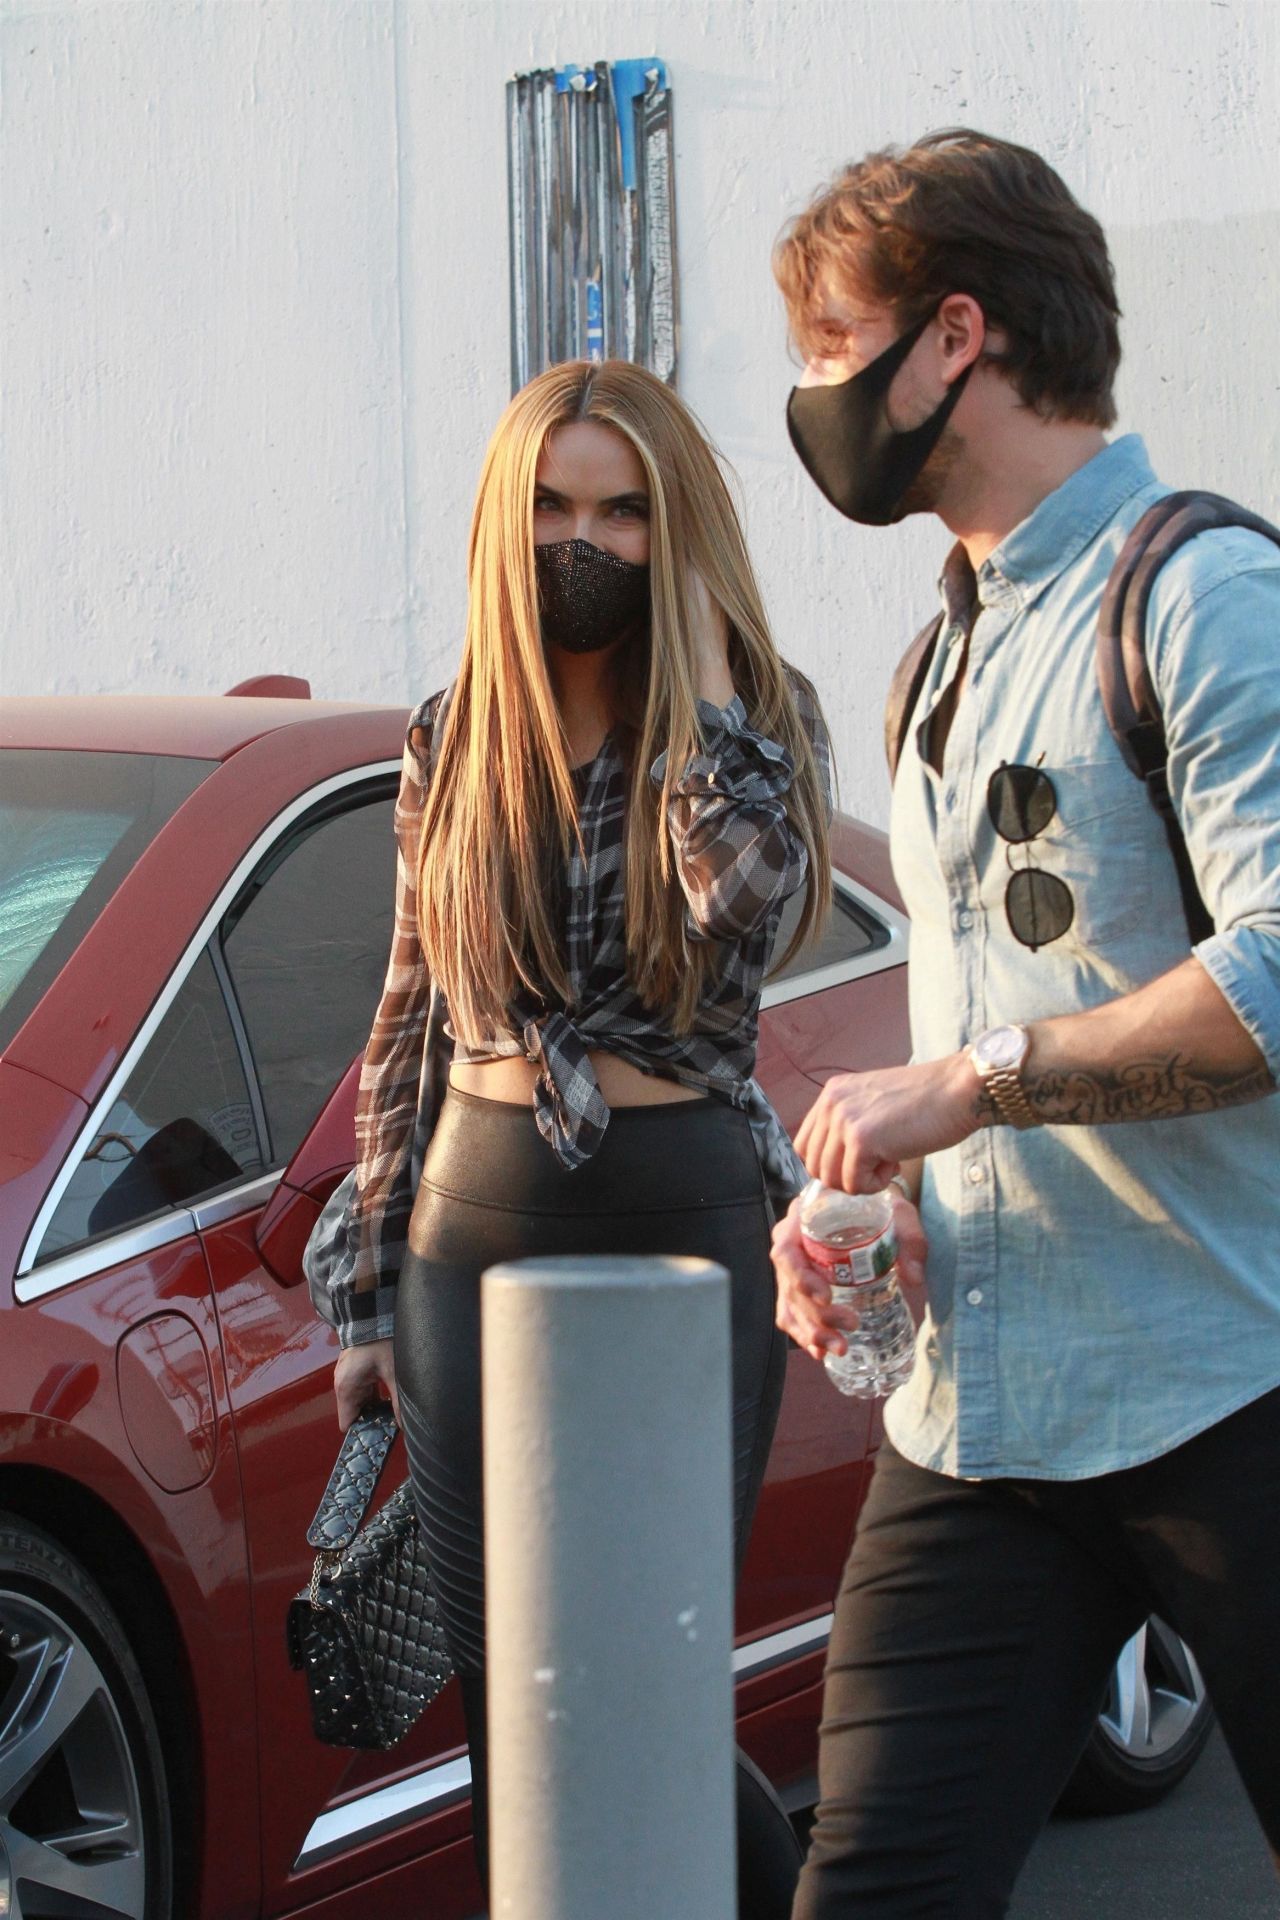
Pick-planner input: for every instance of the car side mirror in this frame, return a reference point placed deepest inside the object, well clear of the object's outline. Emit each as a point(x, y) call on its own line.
point(325, 1157)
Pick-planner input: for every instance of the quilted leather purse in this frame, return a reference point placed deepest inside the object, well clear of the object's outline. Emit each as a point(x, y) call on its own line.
point(366, 1633)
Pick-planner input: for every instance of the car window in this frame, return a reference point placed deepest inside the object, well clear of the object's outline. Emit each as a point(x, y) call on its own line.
point(306, 946)
point(182, 1126)
point(71, 826)
point(849, 931)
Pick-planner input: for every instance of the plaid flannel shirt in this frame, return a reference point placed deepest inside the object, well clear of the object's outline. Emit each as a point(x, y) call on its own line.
point(738, 861)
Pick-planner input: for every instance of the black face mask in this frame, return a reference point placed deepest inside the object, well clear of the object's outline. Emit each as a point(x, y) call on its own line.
point(847, 446)
point(588, 598)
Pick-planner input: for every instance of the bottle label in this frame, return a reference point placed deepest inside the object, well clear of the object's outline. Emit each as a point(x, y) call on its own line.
point(854, 1266)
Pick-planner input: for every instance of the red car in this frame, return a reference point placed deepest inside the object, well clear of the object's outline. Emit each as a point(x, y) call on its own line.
point(180, 1007)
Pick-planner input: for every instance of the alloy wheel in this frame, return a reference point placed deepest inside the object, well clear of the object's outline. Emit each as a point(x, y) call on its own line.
point(1155, 1695)
point(71, 1828)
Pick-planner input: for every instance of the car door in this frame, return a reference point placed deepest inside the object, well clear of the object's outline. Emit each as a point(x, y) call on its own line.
point(126, 1324)
point(302, 951)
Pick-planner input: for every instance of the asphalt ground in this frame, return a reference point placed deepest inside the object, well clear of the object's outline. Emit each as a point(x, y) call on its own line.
point(1199, 1855)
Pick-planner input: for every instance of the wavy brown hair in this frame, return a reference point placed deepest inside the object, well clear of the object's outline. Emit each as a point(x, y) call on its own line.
point(501, 805)
point(964, 212)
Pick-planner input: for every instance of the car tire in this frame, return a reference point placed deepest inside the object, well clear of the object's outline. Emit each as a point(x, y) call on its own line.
point(84, 1821)
point(770, 1855)
point(1151, 1731)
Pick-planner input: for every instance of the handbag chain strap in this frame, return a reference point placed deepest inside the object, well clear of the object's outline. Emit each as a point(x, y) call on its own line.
point(326, 1566)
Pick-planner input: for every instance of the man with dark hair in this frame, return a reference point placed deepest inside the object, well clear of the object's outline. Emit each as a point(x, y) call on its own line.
point(1092, 1430)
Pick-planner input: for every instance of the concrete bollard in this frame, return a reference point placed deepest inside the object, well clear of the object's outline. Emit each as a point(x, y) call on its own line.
point(609, 1575)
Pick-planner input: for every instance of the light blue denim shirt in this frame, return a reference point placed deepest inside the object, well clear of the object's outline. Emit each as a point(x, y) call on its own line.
point(1096, 1294)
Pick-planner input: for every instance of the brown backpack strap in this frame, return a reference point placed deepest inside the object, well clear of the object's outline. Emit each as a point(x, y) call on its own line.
point(1124, 677)
point(904, 690)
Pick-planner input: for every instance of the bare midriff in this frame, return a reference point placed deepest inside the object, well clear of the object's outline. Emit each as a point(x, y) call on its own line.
point(621, 1084)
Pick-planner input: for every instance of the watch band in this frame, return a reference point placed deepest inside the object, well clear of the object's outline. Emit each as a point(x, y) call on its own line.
point(1010, 1098)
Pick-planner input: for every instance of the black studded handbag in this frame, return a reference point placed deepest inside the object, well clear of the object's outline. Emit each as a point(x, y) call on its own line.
point(366, 1633)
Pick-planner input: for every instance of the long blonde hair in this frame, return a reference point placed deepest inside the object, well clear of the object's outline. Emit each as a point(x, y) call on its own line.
point(501, 802)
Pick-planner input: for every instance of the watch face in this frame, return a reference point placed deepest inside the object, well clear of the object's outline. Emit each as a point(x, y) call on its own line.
point(1000, 1047)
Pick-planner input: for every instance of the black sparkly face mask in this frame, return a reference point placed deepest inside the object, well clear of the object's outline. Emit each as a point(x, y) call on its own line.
point(588, 598)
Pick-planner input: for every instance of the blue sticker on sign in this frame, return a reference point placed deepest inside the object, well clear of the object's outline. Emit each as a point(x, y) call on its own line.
point(574, 80)
point(595, 321)
point(629, 79)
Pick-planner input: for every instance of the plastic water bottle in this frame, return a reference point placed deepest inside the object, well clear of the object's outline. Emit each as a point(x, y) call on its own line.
point(850, 1238)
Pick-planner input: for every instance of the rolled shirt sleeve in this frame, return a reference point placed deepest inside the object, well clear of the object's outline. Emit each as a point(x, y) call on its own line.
point(1215, 635)
point(370, 1243)
point(737, 854)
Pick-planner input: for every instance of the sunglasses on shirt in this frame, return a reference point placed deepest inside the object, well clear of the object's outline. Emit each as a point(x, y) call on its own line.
point(1021, 801)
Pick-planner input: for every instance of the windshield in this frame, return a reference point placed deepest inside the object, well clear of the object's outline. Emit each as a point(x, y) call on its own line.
point(71, 825)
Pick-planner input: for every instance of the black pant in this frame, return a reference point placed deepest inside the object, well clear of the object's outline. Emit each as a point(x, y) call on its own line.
point(681, 1178)
point(975, 1630)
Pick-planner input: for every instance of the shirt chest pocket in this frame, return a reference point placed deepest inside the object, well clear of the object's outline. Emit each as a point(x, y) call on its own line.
point(1105, 843)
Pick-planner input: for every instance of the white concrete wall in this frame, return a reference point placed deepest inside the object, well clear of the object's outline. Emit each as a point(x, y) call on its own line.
point(254, 300)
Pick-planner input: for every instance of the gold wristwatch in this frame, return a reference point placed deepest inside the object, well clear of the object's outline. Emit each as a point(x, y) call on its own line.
point(997, 1057)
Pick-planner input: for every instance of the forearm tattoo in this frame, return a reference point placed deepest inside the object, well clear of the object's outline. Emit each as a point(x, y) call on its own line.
point(1142, 1090)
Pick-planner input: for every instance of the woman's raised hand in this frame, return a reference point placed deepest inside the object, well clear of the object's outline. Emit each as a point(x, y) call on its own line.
point(362, 1374)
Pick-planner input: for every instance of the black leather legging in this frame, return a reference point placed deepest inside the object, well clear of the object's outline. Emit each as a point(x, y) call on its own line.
point(680, 1178)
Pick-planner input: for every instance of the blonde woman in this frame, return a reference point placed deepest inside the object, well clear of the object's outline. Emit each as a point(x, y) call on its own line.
point(598, 824)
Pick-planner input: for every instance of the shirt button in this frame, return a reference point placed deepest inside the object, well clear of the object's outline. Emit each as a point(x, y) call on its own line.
point(975, 676)
point(964, 917)
point(935, 696)
point(975, 1173)
point(950, 798)
point(974, 1296)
